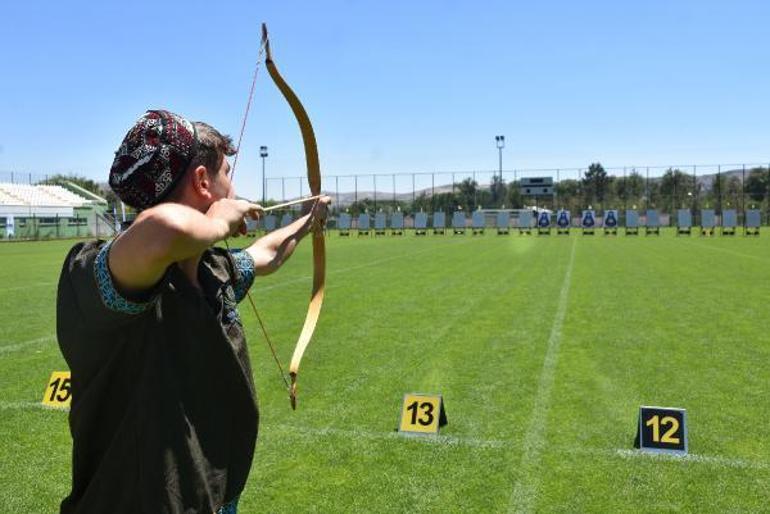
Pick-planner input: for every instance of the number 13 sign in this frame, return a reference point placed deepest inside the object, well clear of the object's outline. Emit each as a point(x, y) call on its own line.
point(422, 414)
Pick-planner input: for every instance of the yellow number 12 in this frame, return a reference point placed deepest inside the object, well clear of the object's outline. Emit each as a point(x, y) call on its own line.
point(655, 422)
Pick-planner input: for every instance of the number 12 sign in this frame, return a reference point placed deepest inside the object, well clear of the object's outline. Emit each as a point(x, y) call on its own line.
point(422, 414)
point(662, 429)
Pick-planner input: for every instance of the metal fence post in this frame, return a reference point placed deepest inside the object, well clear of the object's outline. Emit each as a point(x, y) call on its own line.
point(394, 192)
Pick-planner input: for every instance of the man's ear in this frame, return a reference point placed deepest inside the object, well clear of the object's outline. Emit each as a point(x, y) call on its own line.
point(201, 182)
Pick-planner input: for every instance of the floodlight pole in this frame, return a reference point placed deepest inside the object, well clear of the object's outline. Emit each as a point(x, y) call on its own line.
point(500, 142)
point(263, 154)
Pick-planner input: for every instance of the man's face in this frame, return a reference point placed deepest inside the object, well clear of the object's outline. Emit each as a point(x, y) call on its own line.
point(222, 186)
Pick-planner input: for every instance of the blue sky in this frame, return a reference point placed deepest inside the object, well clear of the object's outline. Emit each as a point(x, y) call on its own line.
point(393, 86)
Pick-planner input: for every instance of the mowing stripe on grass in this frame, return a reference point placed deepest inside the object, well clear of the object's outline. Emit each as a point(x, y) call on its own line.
point(525, 490)
point(365, 374)
point(440, 440)
point(725, 250)
point(307, 278)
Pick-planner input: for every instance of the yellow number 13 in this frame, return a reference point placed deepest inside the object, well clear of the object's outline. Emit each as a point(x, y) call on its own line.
point(655, 422)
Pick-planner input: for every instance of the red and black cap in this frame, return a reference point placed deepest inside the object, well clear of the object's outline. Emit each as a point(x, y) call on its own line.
point(152, 158)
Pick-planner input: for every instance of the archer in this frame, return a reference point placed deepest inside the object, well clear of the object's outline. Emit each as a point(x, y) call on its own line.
point(164, 415)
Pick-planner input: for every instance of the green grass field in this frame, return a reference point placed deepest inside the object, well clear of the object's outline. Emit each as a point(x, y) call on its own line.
point(543, 348)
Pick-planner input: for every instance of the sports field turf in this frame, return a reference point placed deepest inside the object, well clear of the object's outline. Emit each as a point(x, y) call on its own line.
point(543, 348)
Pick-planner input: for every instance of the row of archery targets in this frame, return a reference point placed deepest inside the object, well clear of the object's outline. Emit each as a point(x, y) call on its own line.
point(705, 222)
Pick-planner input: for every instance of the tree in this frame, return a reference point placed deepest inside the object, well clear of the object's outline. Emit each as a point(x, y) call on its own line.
point(497, 191)
point(715, 193)
point(568, 195)
point(631, 189)
point(514, 200)
point(756, 184)
point(595, 184)
point(467, 192)
point(677, 186)
point(733, 192)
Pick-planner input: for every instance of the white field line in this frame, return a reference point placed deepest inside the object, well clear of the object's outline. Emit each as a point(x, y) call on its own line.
point(284, 430)
point(29, 406)
point(525, 491)
point(25, 344)
point(27, 286)
point(690, 458)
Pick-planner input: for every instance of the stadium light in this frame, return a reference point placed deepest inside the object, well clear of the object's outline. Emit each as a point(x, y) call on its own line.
point(500, 142)
point(263, 154)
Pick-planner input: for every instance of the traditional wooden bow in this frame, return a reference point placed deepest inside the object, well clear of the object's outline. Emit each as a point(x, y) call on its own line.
point(319, 247)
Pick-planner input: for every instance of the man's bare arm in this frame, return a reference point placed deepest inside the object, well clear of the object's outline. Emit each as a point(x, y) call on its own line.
point(169, 233)
point(271, 251)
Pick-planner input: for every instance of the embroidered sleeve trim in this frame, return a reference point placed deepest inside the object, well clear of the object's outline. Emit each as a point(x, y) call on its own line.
point(244, 265)
point(110, 296)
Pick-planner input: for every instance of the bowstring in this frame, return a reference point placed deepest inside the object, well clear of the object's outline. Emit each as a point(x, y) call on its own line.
point(232, 178)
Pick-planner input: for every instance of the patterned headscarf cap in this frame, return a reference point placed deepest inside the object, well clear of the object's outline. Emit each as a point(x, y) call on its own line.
point(152, 158)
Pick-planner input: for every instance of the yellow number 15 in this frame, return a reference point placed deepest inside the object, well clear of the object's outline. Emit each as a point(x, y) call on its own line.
point(655, 422)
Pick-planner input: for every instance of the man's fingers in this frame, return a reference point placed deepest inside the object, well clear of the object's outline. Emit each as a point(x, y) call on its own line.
point(255, 211)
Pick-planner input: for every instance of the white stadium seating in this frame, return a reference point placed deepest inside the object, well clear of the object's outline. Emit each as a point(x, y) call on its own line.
point(27, 200)
point(32, 196)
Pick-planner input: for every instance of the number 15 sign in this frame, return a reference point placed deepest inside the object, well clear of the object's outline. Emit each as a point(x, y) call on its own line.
point(422, 414)
point(57, 392)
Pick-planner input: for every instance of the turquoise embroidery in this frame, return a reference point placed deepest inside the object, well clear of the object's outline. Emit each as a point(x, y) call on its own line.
point(230, 508)
point(110, 296)
point(244, 265)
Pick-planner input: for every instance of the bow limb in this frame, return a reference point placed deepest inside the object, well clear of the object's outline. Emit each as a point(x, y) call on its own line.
point(319, 246)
